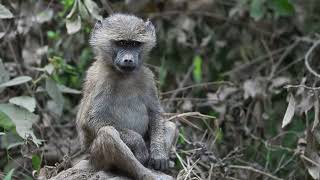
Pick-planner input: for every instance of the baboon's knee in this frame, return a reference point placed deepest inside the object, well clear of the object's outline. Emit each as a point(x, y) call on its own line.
point(103, 147)
point(108, 131)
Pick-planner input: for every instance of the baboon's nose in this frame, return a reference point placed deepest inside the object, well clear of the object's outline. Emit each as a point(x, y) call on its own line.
point(127, 65)
point(129, 61)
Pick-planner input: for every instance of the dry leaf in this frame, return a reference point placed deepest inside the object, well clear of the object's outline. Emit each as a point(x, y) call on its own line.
point(254, 88)
point(290, 111)
point(5, 13)
point(73, 25)
point(316, 113)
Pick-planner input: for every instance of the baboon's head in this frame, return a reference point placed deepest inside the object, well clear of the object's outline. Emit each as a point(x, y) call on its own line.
point(123, 41)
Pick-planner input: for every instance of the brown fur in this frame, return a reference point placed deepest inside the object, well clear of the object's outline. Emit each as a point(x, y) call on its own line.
point(119, 111)
point(100, 76)
point(122, 27)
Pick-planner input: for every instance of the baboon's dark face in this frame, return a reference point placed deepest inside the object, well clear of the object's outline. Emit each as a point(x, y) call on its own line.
point(127, 55)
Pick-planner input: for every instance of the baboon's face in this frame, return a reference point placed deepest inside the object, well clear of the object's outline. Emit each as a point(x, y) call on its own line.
point(126, 55)
point(123, 41)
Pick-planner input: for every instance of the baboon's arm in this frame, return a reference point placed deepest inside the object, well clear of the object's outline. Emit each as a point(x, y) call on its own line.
point(158, 154)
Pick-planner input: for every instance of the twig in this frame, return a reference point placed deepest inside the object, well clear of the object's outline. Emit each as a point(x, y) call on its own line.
point(190, 114)
point(282, 58)
point(307, 57)
point(199, 100)
point(190, 151)
point(231, 178)
point(181, 162)
point(303, 86)
point(184, 139)
point(289, 65)
point(254, 61)
point(197, 85)
point(210, 171)
point(285, 164)
point(269, 52)
point(254, 170)
point(190, 124)
point(190, 169)
point(316, 111)
point(309, 160)
point(198, 170)
point(182, 83)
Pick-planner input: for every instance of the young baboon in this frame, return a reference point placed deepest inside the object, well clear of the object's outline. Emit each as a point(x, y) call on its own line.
point(120, 114)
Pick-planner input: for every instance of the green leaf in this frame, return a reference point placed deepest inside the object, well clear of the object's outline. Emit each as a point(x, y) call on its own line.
point(5, 121)
point(181, 138)
point(67, 3)
point(49, 68)
point(73, 10)
point(54, 92)
point(282, 7)
point(44, 16)
point(93, 9)
point(52, 35)
point(24, 101)
point(36, 162)
point(65, 89)
point(257, 9)
point(83, 11)
point(16, 81)
point(9, 175)
point(219, 135)
point(23, 119)
point(5, 13)
point(197, 69)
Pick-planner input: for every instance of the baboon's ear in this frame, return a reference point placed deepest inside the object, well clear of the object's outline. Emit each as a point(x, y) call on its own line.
point(93, 39)
point(98, 25)
point(149, 27)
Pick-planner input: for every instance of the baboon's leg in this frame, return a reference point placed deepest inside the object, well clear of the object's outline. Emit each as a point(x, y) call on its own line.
point(136, 143)
point(108, 150)
point(171, 134)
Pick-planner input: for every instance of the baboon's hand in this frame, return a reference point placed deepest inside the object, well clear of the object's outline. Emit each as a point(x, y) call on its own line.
point(159, 161)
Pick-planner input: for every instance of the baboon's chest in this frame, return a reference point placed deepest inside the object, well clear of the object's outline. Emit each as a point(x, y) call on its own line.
point(131, 113)
point(125, 112)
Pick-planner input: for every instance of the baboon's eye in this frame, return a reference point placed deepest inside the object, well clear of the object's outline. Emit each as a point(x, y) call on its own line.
point(124, 43)
point(120, 43)
point(136, 43)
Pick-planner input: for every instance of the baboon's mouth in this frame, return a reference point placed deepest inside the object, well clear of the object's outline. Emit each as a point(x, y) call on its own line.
point(127, 68)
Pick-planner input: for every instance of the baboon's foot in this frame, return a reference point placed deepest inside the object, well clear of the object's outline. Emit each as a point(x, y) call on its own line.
point(142, 157)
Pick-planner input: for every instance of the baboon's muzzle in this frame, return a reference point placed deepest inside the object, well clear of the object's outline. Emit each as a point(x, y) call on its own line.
point(127, 61)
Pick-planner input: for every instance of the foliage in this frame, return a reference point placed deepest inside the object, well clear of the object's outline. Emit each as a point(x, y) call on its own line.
point(9, 175)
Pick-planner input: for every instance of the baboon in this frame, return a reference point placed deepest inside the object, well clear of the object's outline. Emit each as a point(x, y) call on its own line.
point(119, 119)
